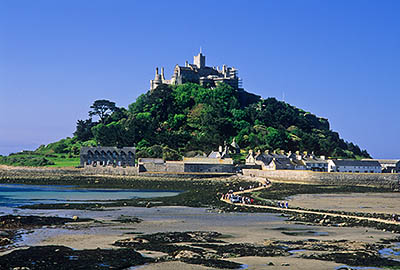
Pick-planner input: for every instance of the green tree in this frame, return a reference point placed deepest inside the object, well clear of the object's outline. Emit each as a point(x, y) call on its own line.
point(84, 129)
point(102, 108)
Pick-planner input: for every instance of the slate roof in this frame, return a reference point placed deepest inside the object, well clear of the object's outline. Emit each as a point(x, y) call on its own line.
point(85, 150)
point(283, 164)
point(359, 163)
point(385, 161)
point(315, 161)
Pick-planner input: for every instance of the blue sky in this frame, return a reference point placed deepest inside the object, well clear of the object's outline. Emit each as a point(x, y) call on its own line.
point(337, 59)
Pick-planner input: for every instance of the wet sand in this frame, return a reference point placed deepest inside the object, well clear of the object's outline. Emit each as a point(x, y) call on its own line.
point(255, 228)
point(250, 263)
point(388, 203)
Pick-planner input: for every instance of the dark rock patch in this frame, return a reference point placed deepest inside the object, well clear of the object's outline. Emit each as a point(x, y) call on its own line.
point(60, 257)
point(356, 258)
point(179, 237)
point(214, 263)
point(11, 222)
point(127, 220)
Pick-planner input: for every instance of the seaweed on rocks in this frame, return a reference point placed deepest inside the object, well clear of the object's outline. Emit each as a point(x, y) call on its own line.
point(127, 219)
point(214, 263)
point(355, 258)
point(10, 222)
point(321, 220)
point(179, 237)
point(200, 248)
point(61, 257)
point(244, 249)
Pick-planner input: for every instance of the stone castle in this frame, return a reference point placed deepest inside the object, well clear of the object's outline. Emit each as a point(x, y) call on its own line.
point(198, 73)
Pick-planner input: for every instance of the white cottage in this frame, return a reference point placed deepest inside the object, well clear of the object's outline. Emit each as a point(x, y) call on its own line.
point(354, 166)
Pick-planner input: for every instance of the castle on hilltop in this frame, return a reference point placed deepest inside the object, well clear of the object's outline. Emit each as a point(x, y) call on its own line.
point(198, 73)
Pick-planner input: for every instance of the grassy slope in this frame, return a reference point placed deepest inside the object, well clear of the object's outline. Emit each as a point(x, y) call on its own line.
point(64, 162)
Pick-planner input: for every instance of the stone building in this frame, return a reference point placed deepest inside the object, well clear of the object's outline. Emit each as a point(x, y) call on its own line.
point(265, 159)
point(187, 165)
point(354, 166)
point(313, 162)
point(316, 164)
point(388, 165)
point(198, 73)
point(287, 161)
point(107, 156)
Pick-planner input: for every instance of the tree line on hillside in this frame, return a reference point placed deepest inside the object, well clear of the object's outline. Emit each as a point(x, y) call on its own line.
point(185, 120)
point(173, 120)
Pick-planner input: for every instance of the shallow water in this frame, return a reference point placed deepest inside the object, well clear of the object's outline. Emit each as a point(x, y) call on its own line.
point(391, 253)
point(15, 195)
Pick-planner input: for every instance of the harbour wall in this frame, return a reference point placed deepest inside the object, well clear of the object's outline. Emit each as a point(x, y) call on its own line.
point(11, 172)
point(327, 178)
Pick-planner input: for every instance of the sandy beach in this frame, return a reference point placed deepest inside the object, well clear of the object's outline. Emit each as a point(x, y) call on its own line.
point(254, 228)
point(388, 203)
point(252, 239)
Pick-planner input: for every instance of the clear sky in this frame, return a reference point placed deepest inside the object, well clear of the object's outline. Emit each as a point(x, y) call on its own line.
point(337, 59)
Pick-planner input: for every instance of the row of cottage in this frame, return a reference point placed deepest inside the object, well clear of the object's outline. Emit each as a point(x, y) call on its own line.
point(220, 161)
point(304, 161)
point(216, 162)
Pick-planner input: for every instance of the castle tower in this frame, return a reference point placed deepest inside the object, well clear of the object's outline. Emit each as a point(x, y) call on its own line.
point(162, 75)
point(199, 60)
point(157, 79)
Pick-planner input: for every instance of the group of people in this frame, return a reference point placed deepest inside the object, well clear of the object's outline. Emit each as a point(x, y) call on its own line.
point(395, 218)
point(245, 200)
point(242, 199)
point(236, 198)
point(266, 183)
point(227, 196)
point(283, 204)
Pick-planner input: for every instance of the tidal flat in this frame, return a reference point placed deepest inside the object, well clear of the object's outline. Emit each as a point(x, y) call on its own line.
point(191, 230)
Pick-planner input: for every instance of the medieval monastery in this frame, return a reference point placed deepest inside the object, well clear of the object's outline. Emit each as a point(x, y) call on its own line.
point(198, 73)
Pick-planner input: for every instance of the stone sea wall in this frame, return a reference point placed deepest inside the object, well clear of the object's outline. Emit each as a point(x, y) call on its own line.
point(40, 172)
point(109, 170)
point(10, 172)
point(336, 178)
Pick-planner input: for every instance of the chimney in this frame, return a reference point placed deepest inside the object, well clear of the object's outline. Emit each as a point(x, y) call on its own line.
point(162, 74)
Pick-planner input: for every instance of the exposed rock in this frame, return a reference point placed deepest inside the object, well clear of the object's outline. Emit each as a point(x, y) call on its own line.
point(60, 257)
point(186, 254)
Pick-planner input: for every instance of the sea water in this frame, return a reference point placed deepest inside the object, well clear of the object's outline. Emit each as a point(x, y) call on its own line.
point(14, 195)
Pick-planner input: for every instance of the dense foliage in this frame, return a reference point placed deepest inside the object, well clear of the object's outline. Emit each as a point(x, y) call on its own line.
point(189, 117)
point(172, 121)
point(26, 158)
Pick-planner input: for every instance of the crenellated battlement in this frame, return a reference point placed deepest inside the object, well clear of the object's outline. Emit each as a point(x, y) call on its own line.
point(198, 73)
